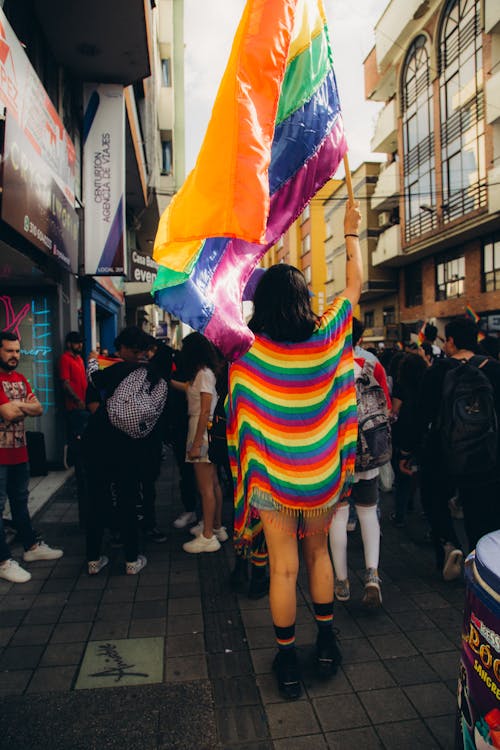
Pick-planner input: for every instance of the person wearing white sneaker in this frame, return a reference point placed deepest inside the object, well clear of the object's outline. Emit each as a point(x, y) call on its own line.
point(17, 401)
point(201, 364)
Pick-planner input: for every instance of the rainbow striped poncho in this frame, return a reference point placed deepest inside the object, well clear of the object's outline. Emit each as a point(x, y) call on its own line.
point(292, 424)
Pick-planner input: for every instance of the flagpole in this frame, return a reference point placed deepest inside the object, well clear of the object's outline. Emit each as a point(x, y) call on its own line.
point(348, 181)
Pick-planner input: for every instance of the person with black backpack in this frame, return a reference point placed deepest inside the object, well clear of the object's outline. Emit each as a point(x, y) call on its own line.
point(468, 423)
point(374, 448)
point(126, 401)
point(459, 447)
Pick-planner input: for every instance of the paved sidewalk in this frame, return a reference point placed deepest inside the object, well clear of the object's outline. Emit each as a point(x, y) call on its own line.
point(200, 655)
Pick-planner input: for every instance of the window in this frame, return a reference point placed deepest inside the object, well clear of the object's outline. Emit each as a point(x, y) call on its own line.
point(166, 79)
point(418, 141)
point(462, 109)
point(491, 264)
point(369, 318)
point(166, 157)
point(306, 213)
point(450, 275)
point(329, 269)
point(306, 244)
point(389, 316)
point(307, 274)
point(413, 285)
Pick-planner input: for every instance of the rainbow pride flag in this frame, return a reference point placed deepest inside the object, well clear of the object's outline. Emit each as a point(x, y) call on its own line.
point(472, 314)
point(274, 139)
point(421, 334)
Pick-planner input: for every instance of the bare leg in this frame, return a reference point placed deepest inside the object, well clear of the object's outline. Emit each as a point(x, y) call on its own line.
point(317, 559)
point(204, 473)
point(281, 538)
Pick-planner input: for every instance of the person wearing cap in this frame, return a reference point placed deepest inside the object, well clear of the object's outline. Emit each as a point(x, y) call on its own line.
point(73, 379)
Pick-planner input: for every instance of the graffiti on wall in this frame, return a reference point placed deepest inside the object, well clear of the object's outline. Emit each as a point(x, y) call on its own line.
point(12, 319)
point(31, 322)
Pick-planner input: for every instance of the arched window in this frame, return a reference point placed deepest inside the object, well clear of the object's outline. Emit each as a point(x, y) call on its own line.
point(418, 141)
point(462, 109)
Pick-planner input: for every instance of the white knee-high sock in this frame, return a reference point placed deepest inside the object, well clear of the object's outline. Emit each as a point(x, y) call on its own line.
point(370, 533)
point(338, 541)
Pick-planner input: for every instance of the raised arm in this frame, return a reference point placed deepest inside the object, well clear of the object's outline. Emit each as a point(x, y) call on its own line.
point(354, 263)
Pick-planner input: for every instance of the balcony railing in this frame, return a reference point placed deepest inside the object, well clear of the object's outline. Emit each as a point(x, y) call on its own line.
point(388, 246)
point(385, 136)
point(386, 193)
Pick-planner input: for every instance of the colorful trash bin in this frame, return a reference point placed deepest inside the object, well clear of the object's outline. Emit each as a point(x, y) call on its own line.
point(478, 725)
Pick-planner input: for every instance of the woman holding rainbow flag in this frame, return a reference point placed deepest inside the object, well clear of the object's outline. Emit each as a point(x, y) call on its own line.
point(292, 432)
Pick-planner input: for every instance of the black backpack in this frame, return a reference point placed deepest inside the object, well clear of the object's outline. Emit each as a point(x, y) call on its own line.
point(374, 447)
point(467, 421)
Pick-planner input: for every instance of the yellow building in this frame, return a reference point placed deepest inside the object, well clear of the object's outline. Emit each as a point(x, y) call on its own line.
point(303, 246)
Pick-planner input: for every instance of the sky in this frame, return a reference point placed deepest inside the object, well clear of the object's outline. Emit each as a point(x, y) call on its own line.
point(209, 28)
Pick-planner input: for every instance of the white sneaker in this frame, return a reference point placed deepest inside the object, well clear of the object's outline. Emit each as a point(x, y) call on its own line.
point(221, 534)
point(184, 520)
point(11, 571)
point(202, 544)
point(198, 529)
point(94, 566)
point(135, 567)
point(42, 551)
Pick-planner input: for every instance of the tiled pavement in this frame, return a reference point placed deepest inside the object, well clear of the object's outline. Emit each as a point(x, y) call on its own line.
point(396, 688)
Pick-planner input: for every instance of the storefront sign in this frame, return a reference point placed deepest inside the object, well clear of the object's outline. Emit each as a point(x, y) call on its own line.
point(41, 172)
point(33, 202)
point(22, 93)
point(143, 268)
point(104, 179)
point(479, 671)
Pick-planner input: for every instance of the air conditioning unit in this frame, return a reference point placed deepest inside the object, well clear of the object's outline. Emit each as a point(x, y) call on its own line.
point(384, 219)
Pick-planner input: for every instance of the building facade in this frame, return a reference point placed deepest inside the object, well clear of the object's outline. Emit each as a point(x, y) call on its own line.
point(436, 67)
point(63, 64)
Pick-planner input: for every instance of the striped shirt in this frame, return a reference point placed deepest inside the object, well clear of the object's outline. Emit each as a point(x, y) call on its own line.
point(292, 424)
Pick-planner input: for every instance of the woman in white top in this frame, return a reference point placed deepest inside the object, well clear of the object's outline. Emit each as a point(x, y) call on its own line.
point(201, 364)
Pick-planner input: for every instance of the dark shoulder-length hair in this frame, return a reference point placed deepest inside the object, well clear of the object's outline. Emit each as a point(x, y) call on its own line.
point(198, 352)
point(282, 305)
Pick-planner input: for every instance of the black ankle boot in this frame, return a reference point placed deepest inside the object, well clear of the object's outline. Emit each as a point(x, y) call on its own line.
point(328, 655)
point(286, 669)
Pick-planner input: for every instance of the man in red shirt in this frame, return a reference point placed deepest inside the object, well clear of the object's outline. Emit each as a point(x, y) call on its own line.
point(17, 401)
point(74, 383)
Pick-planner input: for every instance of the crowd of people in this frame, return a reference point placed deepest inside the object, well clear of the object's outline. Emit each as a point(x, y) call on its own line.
point(301, 433)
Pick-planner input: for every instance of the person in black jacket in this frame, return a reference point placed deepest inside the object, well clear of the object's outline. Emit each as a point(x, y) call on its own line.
point(477, 494)
point(114, 458)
